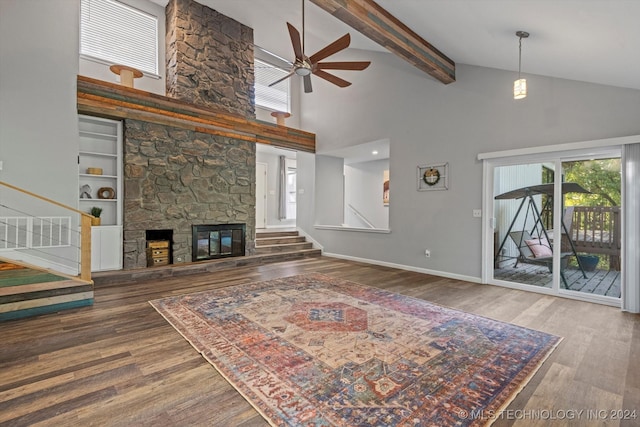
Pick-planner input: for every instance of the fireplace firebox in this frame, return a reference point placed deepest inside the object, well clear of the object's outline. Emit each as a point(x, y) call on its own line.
point(218, 241)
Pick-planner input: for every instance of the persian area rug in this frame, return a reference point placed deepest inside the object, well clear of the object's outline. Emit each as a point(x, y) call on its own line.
point(312, 350)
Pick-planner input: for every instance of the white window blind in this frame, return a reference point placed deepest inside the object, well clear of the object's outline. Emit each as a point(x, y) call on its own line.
point(119, 34)
point(276, 97)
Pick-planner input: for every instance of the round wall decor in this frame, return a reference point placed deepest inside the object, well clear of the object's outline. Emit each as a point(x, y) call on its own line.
point(431, 176)
point(106, 193)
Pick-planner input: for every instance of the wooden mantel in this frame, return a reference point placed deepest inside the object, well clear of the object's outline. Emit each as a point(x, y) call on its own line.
point(385, 29)
point(97, 97)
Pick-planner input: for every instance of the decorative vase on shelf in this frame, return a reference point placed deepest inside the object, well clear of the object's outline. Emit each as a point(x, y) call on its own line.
point(95, 212)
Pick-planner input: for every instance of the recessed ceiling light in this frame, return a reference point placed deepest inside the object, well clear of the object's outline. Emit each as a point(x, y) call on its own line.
point(374, 152)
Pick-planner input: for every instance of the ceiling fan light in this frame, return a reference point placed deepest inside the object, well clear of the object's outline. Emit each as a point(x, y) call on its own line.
point(520, 89)
point(302, 71)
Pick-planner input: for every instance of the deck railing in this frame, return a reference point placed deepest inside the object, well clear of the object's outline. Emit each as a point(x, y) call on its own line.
point(596, 229)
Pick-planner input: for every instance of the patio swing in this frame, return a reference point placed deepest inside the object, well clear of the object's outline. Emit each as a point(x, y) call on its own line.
point(535, 246)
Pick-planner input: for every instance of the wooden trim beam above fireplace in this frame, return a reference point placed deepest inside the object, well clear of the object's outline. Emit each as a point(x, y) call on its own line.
point(97, 97)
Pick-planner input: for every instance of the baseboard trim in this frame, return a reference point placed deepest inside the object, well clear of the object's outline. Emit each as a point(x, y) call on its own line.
point(407, 268)
point(316, 244)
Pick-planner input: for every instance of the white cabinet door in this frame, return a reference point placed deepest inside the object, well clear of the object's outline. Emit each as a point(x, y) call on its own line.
point(106, 248)
point(96, 252)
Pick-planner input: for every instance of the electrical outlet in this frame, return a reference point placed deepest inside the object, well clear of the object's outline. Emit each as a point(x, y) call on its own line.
point(427, 253)
point(477, 213)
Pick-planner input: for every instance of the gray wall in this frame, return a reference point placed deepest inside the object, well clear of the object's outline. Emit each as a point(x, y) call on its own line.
point(428, 122)
point(330, 194)
point(38, 118)
point(425, 120)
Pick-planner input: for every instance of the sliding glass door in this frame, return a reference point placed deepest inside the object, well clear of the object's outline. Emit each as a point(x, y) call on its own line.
point(556, 225)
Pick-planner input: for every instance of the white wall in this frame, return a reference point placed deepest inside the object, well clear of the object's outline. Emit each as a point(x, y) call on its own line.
point(428, 122)
point(363, 188)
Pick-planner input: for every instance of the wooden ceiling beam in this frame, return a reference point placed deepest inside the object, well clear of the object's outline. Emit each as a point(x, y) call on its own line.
point(373, 21)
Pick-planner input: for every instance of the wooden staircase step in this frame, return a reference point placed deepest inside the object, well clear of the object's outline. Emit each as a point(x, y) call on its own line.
point(21, 301)
point(288, 256)
point(27, 290)
point(263, 234)
point(283, 247)
point(39, 287)
point(266, 241)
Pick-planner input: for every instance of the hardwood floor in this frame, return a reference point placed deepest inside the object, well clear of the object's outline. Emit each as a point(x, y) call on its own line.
point(120, 363)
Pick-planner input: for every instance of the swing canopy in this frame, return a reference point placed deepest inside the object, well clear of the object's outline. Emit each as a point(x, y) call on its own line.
point(532, 190)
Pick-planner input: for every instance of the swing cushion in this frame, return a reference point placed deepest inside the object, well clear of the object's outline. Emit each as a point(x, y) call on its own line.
point(540, 247)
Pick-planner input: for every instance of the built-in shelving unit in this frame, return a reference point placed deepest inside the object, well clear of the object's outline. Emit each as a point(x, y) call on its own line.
point(100, 185)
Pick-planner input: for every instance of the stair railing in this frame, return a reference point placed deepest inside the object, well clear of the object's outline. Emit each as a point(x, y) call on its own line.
point(23, 231)
point(360, 216)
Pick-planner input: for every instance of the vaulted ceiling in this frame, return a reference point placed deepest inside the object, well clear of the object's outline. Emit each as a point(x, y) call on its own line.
point(595, 41)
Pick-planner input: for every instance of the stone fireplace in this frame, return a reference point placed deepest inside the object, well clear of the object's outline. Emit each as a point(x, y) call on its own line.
point(174, 177)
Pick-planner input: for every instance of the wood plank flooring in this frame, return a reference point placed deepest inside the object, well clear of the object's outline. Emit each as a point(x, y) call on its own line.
point(119, 363)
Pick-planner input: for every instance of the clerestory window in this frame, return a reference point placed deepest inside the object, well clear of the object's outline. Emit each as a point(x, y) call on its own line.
point(115, 33)
point(276, 97)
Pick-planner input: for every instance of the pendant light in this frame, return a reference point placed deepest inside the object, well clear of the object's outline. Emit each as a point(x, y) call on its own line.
point(520, 85)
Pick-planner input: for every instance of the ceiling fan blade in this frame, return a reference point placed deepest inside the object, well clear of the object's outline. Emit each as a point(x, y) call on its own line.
point(352, 65)
point(295, 42)
point(284, 78)
point(307, 84)
point(331, 78)
point(335, 47)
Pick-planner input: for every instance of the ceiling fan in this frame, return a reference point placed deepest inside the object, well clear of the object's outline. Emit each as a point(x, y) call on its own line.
point(304, 65)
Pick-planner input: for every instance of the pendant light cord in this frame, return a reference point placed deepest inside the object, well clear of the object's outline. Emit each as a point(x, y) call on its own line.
point(303, 26)
point(521, 35)
point(519, 56)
